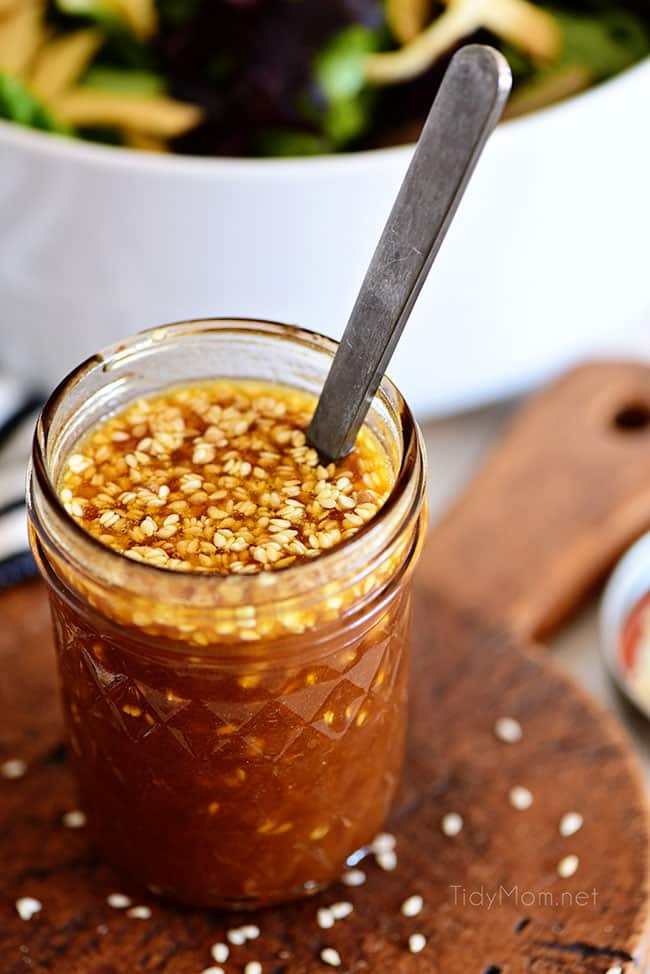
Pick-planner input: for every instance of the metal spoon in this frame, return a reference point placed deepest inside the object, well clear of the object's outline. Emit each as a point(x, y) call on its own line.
point(467, 107)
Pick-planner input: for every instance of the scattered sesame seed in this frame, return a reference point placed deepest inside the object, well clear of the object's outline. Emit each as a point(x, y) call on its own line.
point(384, 842)
point(139, 912)
point(568, 866)
point(118, 901)
point(617, 969)
point(15, 768)
point(387, 861)
point(253, 967)
point(451, 824)
point(520, 797)
point(417, 943)
point(27, 907)
point(508, 730)
point(325, 918)
point(236, 937)
point(353, 877)
point(330, 956)
point(571, 823)
point(341, 910)
point(412, 907)
point(75, 819)
point(213, 970)
point(250, 931)
point(220, 953)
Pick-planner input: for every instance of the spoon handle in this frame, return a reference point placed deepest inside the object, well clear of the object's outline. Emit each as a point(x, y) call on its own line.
point(468, 105)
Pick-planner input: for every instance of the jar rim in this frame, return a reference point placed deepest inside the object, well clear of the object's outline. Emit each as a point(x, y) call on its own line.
point(411, 449)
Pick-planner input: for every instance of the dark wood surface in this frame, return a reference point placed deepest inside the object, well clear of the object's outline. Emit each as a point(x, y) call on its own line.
point(521, 549)
point(571, 757)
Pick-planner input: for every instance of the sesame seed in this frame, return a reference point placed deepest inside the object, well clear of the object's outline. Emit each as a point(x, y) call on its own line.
point(118, 901)
point(27, 907)
point(213, 970)
point(571, 823)
point(139, 912)
point(78, 508)
point(321, 830)
point(341, 910)
point(387, 861)
point(233, 468)
point(253, 967)
point(508, 730)
point(330, 956)
point(220, 953)
point(384, 842)
point(353, 877)
point(13, 769)
point(568, 866)
point(131, 710)
point(451, 824)
point(250, 931)
point(520, 797)
point(412, 907)
point(148, 526)
point(325, 918)
point(417, 943)
point(78, 463)
point(617, 969)
point(75, 819)
point(203, 454)
point(236, 937)
point(109, 518)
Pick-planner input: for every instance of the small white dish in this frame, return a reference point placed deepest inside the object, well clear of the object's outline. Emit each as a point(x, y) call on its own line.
point(629, 583)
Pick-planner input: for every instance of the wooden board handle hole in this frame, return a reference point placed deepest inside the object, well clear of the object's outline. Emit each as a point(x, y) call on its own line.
point(634, 417)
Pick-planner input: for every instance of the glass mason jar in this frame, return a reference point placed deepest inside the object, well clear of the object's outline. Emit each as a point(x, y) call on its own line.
point(235, 738)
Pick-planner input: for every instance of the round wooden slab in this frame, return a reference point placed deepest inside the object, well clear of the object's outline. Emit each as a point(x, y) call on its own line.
point(493, 900)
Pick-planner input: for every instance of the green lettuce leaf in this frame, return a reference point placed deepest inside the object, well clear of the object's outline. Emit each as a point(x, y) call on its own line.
point(124, 81)
point(281, 142)
point(176, 13)
point(339, 71)
point(18, 104)
point(121, 45)
point(606, 42)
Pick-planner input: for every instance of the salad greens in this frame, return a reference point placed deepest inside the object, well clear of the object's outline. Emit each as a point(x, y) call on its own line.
point(287, 77)
point(340, 73)
point(606, 44)
point(19, 104)
point(124, 80)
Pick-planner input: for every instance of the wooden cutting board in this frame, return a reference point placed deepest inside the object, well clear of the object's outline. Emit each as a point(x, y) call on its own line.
point(563, 494)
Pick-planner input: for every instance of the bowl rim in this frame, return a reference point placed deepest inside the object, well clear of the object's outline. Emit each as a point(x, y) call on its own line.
point(628, 582)
point(116, 157)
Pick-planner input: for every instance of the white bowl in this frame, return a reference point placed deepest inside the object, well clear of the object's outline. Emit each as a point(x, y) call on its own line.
point(547, 259)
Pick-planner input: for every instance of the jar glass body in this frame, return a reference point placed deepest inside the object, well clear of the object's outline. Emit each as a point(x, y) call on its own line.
point(235, 739)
